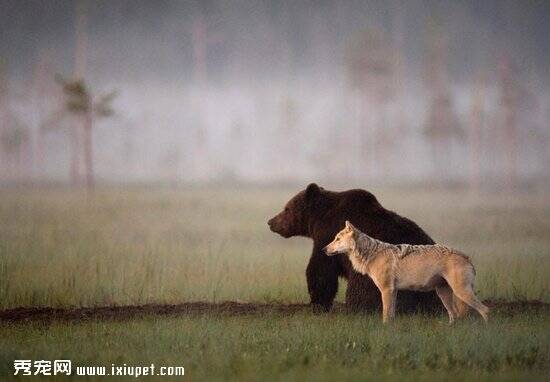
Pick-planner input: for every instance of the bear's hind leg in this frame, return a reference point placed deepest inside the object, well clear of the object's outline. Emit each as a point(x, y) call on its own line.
point(409, 301)
point(362, 294)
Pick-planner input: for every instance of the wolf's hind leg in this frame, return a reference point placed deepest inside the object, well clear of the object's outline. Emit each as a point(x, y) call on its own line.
point(459, 307)
point(446, 295)
point(466, 294)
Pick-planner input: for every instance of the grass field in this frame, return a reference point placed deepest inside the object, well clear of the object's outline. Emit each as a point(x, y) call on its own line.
point(60, 248)
point(296, 347)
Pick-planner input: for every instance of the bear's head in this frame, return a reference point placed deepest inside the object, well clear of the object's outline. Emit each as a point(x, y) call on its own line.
point(295, 217)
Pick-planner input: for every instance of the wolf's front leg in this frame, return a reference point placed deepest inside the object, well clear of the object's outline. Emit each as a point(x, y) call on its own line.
point(388, 304)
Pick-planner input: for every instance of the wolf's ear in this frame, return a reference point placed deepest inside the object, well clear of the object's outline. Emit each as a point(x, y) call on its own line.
point(312, 190)
point(354, 231)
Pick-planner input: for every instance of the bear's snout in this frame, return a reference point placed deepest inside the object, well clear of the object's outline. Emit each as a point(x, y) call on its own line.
point(273, 224)
point(276, 225)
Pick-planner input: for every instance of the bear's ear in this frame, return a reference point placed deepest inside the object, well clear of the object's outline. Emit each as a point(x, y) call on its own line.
point(312, 191)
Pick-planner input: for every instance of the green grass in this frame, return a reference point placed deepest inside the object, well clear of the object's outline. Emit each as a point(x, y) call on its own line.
point(296, 347)
point(60, 248)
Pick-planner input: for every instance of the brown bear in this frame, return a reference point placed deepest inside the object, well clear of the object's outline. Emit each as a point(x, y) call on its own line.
point(320, 214)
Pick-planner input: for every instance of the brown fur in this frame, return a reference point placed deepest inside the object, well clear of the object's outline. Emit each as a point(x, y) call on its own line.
point(410, 267)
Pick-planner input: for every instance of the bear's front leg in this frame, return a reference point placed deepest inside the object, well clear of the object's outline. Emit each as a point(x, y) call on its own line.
point(322, 280)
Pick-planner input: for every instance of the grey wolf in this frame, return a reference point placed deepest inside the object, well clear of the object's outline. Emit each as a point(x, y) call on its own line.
point(411, 267)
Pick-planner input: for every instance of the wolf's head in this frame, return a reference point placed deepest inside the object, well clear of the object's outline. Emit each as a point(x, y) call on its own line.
point(344, 241)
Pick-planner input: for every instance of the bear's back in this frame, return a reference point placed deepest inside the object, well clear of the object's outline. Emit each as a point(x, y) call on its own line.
point(364, 211)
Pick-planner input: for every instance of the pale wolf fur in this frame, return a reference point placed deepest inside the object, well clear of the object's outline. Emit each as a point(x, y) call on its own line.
point(412, 267)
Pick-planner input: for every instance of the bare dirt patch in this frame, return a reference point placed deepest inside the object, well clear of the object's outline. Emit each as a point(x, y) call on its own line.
point(231, 308)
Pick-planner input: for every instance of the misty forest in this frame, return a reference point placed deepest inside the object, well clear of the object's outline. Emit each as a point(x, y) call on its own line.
point(275, 91)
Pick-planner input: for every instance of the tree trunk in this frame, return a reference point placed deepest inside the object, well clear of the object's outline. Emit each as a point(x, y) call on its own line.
point(39, 154)
point(88, 158)
point(75, 154)
point(199, 39)
point(511, 146)
point(509, 92)
point(475, 134)
point(80, 56)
